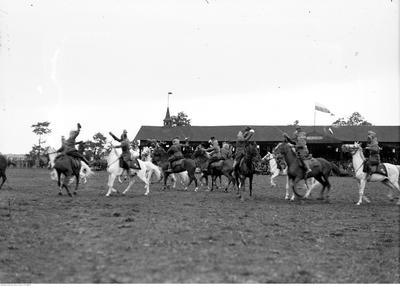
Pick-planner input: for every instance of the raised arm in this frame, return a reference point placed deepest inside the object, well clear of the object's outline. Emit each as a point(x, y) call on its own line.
point(115, 137)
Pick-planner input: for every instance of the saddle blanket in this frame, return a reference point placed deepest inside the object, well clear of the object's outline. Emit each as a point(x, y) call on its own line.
point(379, 169)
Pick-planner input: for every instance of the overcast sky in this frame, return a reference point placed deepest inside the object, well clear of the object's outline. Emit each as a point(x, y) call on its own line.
point(110, 64)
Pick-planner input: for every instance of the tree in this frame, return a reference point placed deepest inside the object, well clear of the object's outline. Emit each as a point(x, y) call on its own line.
point(41, 129)
point(180, 120)
point(355, 119)
point(96, 148)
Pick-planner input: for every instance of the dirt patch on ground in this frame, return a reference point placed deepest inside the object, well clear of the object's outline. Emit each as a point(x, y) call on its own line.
point(177, 236)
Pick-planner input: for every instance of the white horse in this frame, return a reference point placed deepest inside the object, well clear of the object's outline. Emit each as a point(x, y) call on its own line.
point(84, 173)
point(273, 168)
point(392, 180)
point(183, 176)
point(114, 170)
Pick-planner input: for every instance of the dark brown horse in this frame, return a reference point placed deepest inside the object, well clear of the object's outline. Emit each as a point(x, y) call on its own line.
point(245, 169)
point(68, 167)
point(215, 169)
point(4, 163)
point(320, 169)
point(160, 158)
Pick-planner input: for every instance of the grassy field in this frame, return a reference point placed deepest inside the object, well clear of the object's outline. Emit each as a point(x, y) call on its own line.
point(176, 236)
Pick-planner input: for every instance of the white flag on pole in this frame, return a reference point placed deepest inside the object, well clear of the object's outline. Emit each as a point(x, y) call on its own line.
point(322, 108)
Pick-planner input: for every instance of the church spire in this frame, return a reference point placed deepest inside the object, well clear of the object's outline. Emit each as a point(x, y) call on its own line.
point(168, 119)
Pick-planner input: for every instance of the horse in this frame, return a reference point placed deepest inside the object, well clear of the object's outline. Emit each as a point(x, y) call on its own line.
point(245, 169)
point(391, 180)
point(270, 158)
point(160, 157)
point(4, 163)
point(215, 169)
point(48, 159)
point(114, 170)
point(147, 156)
point(67, 166)
point(320, 170)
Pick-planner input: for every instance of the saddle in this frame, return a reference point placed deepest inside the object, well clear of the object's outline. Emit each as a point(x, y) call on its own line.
point(379, 169)
point(218, 163)
point(177, 163)
point(132, 164)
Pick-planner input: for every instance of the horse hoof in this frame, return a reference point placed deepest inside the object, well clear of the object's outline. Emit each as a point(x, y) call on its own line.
point(196, 189)
point(357, 204)
point(320, 199)
point(60, 194)
point(146, 194)
point(75, 193)
point(70, 195)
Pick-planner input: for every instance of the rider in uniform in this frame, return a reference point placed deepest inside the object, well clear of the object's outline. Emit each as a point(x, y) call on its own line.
point(126, 161)
point(174, 152)
point(214, 152)
point(374, 157)
point(226, 151)
point(68, 145)
point(300, 142)
point(244, 137)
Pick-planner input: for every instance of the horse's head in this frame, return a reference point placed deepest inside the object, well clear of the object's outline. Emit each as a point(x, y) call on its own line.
point(159, 154)
point(251, 150)
point(200, 153)
point(267, 157)
point(352, 148)
point(50, 153)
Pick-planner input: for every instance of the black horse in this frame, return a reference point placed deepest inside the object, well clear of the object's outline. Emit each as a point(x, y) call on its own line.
point(4, 163)
point(160, 158)
point(67, 166)
point(245, 169)
point(215, 169)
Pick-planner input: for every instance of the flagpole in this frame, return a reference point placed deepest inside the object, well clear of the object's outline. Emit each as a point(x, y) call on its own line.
point(315, 115)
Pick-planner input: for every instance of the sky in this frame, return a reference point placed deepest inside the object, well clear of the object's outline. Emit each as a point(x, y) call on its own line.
point(109, 65)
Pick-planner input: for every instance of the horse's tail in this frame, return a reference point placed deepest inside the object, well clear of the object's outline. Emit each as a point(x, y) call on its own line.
point(336, 169)
point(153, 169)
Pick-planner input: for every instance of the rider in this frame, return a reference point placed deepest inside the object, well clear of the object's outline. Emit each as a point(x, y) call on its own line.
point(226, 151)
point(299, 140)
point(187, 150)
point(243, 138)
point(174, 152)
point(68, 146)
point(126, 157)
point(214, 152)
point(374, 157)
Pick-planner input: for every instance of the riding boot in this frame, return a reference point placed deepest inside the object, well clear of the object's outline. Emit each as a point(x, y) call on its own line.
point(169, 170)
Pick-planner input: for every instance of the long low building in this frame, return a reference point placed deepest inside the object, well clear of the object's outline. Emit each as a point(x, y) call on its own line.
point(324, 141)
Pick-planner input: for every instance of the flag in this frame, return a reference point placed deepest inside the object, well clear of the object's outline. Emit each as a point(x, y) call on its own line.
point(322, 108)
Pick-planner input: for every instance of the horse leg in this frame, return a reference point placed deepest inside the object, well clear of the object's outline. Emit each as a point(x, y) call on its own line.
point(287, 196)
point(274, 175)
point(146, 180)
point(242, 188)
point(4, 177)
point(59, 183)
point(361, 191)
point(111, 179)
point(392, 186)
point(131, 182)
point(166, 175)
point(77, 176)
point(65, 184)
point(294, 187)
point(251, 185)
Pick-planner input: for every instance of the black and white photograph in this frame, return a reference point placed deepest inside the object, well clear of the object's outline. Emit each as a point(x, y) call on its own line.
point(199, 141)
